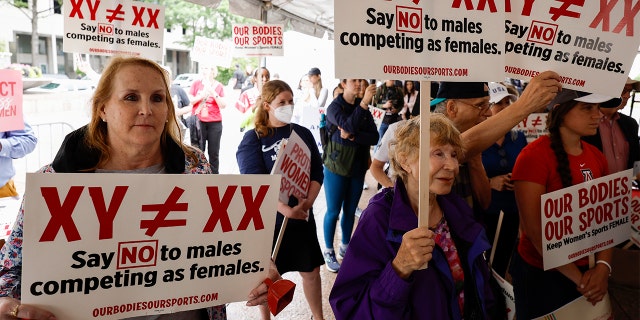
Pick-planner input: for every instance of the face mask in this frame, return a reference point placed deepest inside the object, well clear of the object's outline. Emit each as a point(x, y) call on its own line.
point(284, 113)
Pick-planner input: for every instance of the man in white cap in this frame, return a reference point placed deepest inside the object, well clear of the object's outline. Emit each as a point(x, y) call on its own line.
point(498, 160)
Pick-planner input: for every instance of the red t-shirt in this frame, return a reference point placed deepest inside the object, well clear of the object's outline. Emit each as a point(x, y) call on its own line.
point(212, 114)
point(537, 163)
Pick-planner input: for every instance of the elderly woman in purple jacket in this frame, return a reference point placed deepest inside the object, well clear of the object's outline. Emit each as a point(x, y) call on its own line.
point(382, 276)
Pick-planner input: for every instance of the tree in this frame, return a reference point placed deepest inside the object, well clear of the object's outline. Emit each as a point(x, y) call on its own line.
point(213, 23)
point(33, 14)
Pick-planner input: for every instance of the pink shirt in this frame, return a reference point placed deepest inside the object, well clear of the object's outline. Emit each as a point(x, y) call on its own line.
point(614, 145)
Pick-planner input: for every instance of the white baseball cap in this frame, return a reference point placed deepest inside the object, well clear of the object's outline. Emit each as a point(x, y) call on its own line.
point(497, 92)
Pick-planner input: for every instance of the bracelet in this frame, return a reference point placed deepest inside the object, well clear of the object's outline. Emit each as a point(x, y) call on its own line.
point(606, 264)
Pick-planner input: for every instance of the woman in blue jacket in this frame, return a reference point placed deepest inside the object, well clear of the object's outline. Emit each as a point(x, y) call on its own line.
point(346, 160)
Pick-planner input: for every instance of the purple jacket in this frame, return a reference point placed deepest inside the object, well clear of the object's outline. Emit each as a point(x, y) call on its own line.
point(367, 287)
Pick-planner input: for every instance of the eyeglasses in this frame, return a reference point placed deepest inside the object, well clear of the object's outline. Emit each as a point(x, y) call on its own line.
point(481, 107)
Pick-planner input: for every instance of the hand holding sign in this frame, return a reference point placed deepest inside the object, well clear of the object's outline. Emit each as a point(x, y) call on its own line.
point(415, 251)
point(539, 92)
point(11, 308)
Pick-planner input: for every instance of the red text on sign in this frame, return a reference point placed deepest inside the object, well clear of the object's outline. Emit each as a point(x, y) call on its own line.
point(77, 6)
point(139, 14)
point(136, 254)
point(409, 19)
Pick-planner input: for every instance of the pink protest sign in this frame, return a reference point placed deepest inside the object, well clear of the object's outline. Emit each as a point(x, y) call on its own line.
point(11, 100)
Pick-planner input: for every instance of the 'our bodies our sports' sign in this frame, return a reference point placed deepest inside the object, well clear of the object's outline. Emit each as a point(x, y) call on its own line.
point(114, 247)
point(591, 44)
point(585, 218)
point(418, 40)
point(250, 40)
point(113, 27)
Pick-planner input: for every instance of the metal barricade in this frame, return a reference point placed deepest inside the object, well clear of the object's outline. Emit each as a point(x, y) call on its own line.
point(50, 137)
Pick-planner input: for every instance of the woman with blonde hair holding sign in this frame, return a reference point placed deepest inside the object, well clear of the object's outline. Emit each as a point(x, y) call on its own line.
point(133, 129)
point(257, 154)
point(556, 161)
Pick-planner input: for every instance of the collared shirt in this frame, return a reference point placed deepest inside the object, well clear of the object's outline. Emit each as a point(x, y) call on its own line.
point(614, 145)
point(15, 144)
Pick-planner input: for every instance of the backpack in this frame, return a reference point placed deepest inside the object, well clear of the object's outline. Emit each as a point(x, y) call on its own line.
point(325, 132)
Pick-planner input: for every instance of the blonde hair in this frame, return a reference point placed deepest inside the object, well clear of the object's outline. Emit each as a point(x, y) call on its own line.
point(406, 141)
point(270, 90)
point(97, 133)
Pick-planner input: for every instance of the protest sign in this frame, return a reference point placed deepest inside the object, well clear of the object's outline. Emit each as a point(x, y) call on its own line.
point(635, 217)
point(591, 44)
point(11, 117)
point(419, 40)
point(582, 309)
point(507, 292)
point(585, 218)
point(122, 245)
point(533, 126)
point(114, 27)
point(258, 40)
point(378, 114)
point(212, 51)
point(294, 164)
point(309, 117)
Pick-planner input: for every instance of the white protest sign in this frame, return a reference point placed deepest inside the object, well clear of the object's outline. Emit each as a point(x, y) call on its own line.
point(585, 218)
point(11, 117)
point(212, 51)
point(419, 40)
point(114, 27)
point(378, 114)
point(533, 126)
point(294, 164)
point(507, 292)
point(258, 40)
point(310, 119)
point(582, 309)
point(591, 44)
point(122, 245)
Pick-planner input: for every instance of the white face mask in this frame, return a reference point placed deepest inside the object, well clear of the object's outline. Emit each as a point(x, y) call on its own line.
point(284, 113)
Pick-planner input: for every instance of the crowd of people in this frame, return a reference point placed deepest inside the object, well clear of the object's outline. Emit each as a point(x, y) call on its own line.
point(485, 183)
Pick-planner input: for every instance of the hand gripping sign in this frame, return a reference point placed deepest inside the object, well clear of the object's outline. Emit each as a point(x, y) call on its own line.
point(116, 248)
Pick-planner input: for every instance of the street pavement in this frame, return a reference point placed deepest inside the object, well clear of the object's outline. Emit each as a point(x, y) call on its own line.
point(74, 110)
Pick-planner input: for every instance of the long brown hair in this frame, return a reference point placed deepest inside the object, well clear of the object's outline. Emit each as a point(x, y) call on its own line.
point(270, 90)
point(554, 121)
point(97, 133)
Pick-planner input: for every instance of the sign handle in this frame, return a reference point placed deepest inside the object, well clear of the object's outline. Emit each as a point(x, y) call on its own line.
point(425, 140)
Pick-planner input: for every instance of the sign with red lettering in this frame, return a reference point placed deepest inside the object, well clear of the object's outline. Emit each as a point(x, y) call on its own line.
point(11, 117)
point(591, 44)
point(116, 248)
point(258, 40)
point(533, 126)
point(212, 51)
point(114, 27)
point(294, 164)
point(378, 114)
point(419, 40)
point(585, 218)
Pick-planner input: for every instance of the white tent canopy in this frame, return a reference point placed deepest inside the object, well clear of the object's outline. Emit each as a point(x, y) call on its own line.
point(312, 17)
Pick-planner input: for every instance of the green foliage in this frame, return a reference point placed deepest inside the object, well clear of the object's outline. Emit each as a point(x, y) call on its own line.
point(200, 21)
